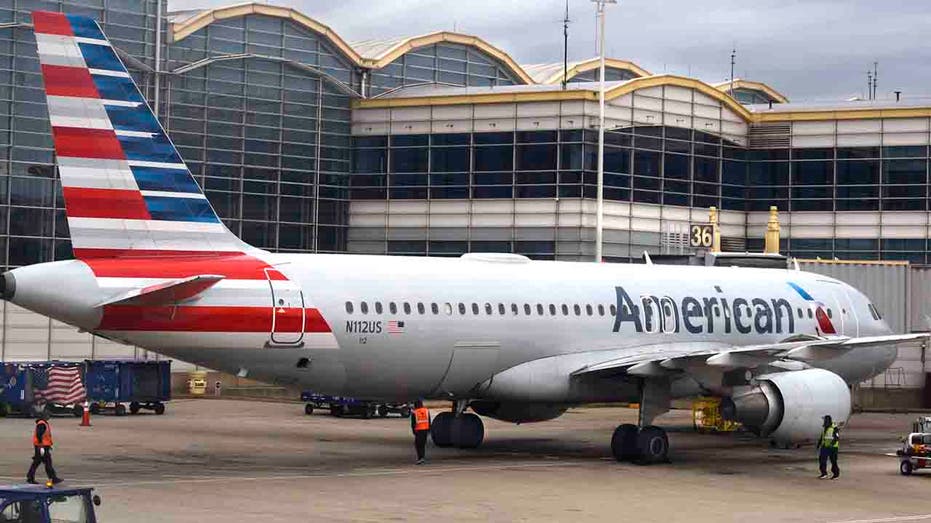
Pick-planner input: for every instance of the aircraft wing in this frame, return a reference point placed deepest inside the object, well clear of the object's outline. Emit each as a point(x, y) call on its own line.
point(660, 362)
point(166, 293)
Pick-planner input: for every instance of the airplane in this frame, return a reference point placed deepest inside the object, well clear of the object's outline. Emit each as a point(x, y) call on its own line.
point(510, 338)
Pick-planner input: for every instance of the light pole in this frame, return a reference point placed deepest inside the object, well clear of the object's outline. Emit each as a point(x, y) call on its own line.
point(599, 212)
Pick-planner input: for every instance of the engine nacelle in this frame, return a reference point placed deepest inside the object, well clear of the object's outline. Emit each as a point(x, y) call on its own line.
point(518, 412)
point(789, 406)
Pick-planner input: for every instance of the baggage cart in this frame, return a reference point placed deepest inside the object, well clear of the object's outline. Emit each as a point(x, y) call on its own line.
point(114, 384)
point(345, 406)
point(26, 388)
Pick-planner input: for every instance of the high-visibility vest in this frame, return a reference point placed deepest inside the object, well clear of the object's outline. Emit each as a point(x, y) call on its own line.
point(46, 440)
point(827, 438)
point(421, 419)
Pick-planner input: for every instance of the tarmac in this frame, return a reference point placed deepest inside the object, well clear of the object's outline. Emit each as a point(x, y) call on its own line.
point(223, 460)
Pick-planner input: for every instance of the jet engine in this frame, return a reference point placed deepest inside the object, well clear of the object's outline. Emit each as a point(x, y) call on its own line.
point(518, 412)
point(789, 406)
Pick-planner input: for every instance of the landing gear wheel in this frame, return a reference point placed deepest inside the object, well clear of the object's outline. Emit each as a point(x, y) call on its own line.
point(383, 411)
point(624, 442)
point(468, 431)
point(905, 468)
point(134, 407)
point(308, 409)
point(119, 409)
point(95, 408)
point(441, 430)
point(652, 446)
point(159, 409)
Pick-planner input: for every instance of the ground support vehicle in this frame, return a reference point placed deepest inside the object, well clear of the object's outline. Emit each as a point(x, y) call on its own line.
point(41, 504)
point(916, 447)
point(345, 406)
point(112, 384)
point(24, 384)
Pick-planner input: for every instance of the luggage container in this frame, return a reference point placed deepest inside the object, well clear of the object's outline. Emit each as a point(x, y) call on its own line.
point(111, 384)
point(38, 388)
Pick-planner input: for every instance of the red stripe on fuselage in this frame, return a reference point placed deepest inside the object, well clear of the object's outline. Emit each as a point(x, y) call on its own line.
point(84, 202)
point(208, 319)
point(235, 267)
point(61, 80)
point(51, 23)
point(87, 143)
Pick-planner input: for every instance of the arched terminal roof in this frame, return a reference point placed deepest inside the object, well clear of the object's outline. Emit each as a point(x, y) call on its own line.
point(552, 73)
point(750, 85)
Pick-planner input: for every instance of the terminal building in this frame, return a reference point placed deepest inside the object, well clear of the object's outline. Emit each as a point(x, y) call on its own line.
point(441, 144)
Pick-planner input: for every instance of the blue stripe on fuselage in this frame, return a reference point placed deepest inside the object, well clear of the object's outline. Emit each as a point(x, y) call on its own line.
point(801, 291)
point(168, 180)
point(180, 209)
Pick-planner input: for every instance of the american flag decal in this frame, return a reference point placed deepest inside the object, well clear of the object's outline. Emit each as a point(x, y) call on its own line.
point(58, 385)
point(395, 327)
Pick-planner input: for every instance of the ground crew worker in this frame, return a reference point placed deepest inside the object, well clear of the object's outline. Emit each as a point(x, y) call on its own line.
point(828, 444)
point(420, 425)
point(42, 444)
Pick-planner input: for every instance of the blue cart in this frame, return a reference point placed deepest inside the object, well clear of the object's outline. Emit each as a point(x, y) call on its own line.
point(38, 504)
point(111, 384)
point(21, 384)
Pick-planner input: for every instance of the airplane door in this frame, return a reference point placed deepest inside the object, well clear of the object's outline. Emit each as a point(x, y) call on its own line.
point(288, 312)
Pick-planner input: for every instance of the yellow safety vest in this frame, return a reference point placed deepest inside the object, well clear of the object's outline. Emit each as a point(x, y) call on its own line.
point(827, 438)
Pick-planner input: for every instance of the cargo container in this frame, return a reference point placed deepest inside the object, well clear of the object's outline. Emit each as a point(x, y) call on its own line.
point(26, 388)
point(111, 384)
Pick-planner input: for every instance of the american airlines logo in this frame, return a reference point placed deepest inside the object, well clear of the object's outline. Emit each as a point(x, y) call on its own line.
point(705, 315)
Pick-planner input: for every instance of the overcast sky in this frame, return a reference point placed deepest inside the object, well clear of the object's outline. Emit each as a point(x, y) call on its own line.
point(807, 49)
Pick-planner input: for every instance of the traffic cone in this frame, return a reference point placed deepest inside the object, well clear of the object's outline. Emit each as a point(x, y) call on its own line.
point(86, 417)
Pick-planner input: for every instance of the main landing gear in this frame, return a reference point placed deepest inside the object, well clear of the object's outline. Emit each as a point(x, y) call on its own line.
point(457, 428)
point(646, 444)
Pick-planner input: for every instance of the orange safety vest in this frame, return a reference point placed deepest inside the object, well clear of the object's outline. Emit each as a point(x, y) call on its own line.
point(46, 436)
point(421, 419)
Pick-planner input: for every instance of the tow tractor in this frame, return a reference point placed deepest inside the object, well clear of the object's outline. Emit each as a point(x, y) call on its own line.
point(916, 448)
point(45, 504)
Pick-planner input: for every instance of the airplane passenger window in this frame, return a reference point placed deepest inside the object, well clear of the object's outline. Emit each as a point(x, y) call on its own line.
point(349, 307)
point(613, 310)
point(364, 307)
point(577, 310)
point(601, 310)
point(830, 314)
point(552, 310)
point(800, 313)
point(462, 308)
point(501, 309)
point(474, 308)
point(565, 309)
point(435, 309)
point(588, 310)
point(514, 309)
point(809, 314)
point(393, 308)
point(539, 309)
point(420, 308)
point(448, 308)
point(407, 308)
point(488, 309)
point(527, 309)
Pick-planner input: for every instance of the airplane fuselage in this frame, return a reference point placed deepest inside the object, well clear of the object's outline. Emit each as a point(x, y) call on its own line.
point(402, 327)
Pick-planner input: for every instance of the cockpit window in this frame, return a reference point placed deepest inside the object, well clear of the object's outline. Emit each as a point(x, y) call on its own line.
point(875, 312)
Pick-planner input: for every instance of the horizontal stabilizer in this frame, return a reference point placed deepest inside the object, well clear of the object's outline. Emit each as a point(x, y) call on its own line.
point(166, 293)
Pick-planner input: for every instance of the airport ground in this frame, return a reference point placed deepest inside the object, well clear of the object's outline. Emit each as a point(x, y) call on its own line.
point(224, 460)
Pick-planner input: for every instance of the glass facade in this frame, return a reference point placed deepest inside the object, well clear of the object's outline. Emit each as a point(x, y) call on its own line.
point(652, 164)
point(611, 74)
point(442, 63)
point(750, 96)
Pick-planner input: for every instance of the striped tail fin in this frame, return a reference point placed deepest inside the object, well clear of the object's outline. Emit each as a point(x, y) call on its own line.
point(127, 191)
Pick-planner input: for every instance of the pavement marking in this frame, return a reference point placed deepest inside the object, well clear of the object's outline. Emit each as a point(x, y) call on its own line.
point(365, 473)
point(917, 517)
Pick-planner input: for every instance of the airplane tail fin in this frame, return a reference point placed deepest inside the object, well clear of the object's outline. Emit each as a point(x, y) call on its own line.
point(127, 191)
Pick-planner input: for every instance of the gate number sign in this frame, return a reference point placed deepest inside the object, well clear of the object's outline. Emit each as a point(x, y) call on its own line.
point(701, 235)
